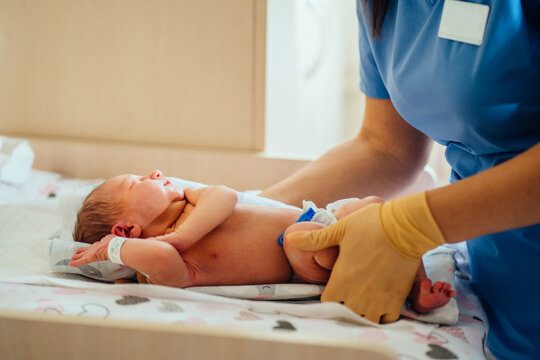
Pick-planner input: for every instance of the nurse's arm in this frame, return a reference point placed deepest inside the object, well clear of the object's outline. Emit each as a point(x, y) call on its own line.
point(504, 197)
point(385, 156)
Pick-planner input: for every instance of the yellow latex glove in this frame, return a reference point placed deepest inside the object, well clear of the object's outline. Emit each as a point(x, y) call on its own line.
point(380, 249)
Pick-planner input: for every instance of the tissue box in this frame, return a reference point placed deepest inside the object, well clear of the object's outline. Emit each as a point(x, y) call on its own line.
point(16, 158)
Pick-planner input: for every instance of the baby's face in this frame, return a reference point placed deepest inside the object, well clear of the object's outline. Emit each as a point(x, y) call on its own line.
point(144, 197)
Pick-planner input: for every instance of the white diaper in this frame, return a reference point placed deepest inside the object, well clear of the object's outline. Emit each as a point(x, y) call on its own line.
point(326, 216)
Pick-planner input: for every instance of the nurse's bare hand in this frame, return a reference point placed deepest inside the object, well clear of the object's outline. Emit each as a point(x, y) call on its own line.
point(95, 252)
point(380, 247)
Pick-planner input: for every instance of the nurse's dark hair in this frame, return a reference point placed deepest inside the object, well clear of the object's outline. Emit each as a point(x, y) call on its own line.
point(377, 13)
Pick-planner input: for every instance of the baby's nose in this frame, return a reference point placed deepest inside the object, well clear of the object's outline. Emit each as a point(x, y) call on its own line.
point(156, 174)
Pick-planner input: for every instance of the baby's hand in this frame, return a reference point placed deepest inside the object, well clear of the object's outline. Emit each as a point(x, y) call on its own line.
point(95, 252)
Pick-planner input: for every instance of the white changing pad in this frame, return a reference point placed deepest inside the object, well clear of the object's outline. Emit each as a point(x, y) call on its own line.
point(30, 213)
point(264, 292)
point(439, 264)
point(59, 254)
point(23, 243)
point(153, 303)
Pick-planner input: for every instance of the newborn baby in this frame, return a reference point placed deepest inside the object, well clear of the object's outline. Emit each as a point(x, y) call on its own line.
point(203, 236)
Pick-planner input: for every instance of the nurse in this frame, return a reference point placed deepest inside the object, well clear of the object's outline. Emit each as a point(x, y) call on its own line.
point(466, 75)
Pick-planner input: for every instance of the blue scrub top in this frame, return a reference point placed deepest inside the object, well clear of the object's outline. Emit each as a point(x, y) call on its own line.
point(483, 104)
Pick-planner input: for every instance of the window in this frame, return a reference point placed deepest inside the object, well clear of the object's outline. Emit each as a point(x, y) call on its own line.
point(312, 96)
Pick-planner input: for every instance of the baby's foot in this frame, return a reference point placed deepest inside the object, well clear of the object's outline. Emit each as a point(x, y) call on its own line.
point(427, 298)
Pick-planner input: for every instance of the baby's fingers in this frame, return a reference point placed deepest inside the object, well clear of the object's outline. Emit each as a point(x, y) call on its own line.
point(81, 250)
point(78, 255)
point(78, 262)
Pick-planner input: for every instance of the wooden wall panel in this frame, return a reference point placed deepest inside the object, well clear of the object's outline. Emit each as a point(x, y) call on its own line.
point(167, 72)
point(242, 170)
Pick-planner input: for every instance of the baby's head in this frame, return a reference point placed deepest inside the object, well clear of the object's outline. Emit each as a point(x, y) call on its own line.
point(129, 206)
point(97, 216)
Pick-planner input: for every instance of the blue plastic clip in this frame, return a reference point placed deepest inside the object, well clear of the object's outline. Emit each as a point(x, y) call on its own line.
point(306, 216)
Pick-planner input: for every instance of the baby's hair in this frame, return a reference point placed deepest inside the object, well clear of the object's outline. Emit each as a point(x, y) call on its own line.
point(96, 217)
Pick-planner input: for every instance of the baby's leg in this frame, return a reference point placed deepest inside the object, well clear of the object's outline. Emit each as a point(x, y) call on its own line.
point(426, 298)
point(310, 266)
point(352, 206)
point(315, 266)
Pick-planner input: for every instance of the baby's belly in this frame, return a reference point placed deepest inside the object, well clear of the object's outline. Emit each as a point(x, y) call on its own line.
point(243, 250)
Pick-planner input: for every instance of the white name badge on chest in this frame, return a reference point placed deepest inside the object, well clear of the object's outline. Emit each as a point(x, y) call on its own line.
point(463, 21)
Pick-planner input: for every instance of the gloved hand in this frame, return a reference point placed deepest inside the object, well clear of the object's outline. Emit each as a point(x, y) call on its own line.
point(380, 249)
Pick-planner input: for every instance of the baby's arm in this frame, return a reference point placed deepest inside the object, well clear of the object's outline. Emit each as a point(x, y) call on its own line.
point(212, 206)
point(159, 261)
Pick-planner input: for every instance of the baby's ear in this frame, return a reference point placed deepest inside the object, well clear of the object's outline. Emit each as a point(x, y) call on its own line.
point(126, 230)
point(120, 230)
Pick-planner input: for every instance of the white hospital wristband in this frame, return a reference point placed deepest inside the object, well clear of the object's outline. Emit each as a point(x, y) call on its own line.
point(113, 250)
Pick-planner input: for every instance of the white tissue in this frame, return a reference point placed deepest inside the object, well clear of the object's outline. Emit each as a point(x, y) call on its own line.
point(16, 158)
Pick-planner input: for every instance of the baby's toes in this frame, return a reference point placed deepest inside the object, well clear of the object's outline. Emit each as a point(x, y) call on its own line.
point(425, 287)
point(437, 287)
point(443, 288)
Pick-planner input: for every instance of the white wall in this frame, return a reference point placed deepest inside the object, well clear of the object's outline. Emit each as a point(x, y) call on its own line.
point(312, 96)
point(308, 44)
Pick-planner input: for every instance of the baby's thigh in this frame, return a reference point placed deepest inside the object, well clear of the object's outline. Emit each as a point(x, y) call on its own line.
point(310, 266)
point(295, 254)
point(352, 206)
